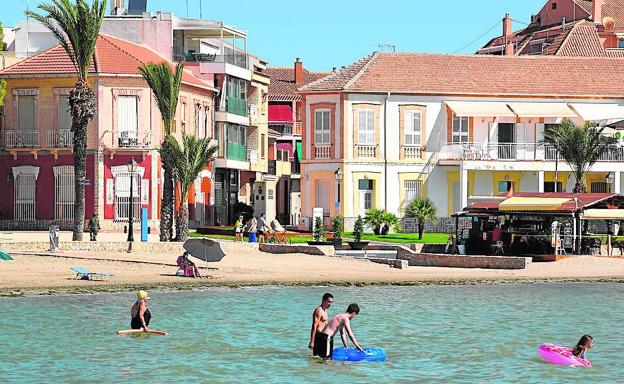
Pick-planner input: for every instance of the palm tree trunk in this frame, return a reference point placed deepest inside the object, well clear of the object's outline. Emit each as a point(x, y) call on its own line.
point(182, 219)
point(83, 106)
point(166, 207)
point(421, 227)
point(579, 186)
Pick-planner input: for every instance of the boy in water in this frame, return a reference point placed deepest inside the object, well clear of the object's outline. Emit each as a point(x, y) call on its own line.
point(340, 323)
point(319, 321)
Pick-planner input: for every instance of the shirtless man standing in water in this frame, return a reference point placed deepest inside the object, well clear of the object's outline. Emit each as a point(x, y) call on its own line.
point(325, 341)
point(319, 320)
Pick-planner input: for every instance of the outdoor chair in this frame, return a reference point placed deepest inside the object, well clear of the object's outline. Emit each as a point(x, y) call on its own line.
point(619, 245)
point(83, 274)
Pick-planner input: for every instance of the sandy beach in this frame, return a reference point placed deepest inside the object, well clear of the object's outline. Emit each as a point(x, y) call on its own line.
point(37, 272)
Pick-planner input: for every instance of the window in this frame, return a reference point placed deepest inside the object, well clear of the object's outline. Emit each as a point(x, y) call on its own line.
point(270, 194)
point(599, 187)
point(554, 5)
point(26, 113)
point(122, 196)
point(536, 48)
point(282, 155)
point(321, 198)
point(236, 142)
point(262, 149)
point(321, 127)
point(127, 120)
point(366, 195)
point(412, 189)
point(413, 129)
point(549, 186)
point(64, 116)
point(183, 116)
point(620, 43)
point(64, 193)
point(505, 186)
point(366, 127)
point(236, 95)
point(25, 199)
point(460, 130)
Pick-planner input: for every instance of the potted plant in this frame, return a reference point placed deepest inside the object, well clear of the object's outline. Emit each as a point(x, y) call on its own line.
point(358, 230)
point(390, 221)
point(318, 235)
point(337, 229)
point(375, 218)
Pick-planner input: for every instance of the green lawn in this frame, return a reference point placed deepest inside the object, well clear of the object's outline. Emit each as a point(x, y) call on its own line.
point(399, 238)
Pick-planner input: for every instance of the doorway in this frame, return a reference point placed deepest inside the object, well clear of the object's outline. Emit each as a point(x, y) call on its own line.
point(506, 140)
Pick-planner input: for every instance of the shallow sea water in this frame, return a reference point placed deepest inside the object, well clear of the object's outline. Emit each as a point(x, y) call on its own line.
point(433, 334)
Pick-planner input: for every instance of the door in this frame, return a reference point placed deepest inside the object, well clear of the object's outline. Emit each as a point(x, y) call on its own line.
point(456, 197)
point(506, 147)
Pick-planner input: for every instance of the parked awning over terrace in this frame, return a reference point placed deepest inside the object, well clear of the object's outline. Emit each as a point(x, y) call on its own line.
point(480, 108)
point(603, 214)
point(532, 204)
point(597, 112)
point(542, 110)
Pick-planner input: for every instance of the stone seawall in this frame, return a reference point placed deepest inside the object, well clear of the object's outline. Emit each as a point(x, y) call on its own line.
point(461, 261)
point(95, 246)
point(318, 250)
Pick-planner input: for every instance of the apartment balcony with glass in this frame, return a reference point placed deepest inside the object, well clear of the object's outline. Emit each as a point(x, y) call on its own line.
point(232, 141)
point(209, 42)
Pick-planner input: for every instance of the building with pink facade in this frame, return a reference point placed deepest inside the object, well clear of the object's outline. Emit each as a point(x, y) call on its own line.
point(36, 166)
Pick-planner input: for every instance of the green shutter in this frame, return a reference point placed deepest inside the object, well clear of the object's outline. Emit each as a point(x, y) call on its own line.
point(299, 150)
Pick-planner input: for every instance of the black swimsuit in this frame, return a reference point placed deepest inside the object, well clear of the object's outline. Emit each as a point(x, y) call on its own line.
point(136, 320)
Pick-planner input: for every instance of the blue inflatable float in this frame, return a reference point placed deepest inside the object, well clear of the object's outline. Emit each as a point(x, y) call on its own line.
point(352, 354)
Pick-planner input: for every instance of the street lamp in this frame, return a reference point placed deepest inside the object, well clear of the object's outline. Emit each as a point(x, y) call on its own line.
point(132, 166)
point(338, 175)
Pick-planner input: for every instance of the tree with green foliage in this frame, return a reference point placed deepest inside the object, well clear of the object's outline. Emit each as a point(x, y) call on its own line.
point(337, 227)
point(390, 222)
point(358, 229)
point(319, 230)
point(2, 43)
point(580, 147)
point(76, 25)
point(3, 85)
point(421, 209)
point(165, 86)
point(375, 218)
point(188, 158)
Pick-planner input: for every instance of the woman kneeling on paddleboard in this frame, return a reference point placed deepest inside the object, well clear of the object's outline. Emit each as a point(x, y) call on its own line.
point(140, 314)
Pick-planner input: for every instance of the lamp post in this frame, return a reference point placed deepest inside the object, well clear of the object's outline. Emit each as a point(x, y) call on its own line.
point(132, 166)
point(338, 175)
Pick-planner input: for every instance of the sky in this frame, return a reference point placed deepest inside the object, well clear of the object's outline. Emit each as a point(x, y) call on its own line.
point(333, 33)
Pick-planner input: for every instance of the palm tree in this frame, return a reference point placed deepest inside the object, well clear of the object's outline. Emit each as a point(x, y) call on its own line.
point(421, 209)
point(375, 218)
point(76, 27)
point(165, 86)
point(188, 160)
point(580, 146)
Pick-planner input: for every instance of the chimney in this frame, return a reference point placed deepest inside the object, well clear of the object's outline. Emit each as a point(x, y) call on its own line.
point(506, 25)
point(597, 10)
point(298, 72)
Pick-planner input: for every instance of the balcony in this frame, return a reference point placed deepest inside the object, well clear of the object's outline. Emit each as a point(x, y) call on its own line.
point(295, 167)
point(366, 151)
point(412, 153)
point(322, 151)
point(21, 139)
point(236, 152)
point(286, 128)
point(513, 152)
point(128, 139)
point(237, 106)
point(63, 138)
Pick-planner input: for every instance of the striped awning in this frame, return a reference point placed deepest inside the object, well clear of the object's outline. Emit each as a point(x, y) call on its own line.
point(537, 204)
point(480, 108)
point(542, 110)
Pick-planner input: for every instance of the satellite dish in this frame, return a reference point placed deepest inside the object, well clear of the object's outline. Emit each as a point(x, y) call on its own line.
point(608, 22)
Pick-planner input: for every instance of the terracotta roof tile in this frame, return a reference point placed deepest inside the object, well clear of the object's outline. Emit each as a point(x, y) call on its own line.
point(583, 40)
point(112, 56)
point(585, 4)
point(615, 10)
point(414, 73)
point(283, 87)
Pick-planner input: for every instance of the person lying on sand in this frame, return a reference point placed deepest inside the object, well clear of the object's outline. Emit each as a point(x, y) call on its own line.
point(340, 323)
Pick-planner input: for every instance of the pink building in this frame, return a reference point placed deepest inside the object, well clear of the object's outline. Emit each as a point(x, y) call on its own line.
point(37, 163)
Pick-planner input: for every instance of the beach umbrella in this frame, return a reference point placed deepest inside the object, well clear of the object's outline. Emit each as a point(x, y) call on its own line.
point(204, 249)
point(5, 256)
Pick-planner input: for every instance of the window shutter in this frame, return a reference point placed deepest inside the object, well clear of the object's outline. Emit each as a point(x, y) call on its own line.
point(128, 119)
point(26, 113)
point(64, 117)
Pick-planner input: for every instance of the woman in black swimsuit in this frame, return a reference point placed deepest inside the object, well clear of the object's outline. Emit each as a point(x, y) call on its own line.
point(140, 313)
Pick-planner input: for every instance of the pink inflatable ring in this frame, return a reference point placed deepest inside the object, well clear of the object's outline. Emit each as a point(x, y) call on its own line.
point(559, 355)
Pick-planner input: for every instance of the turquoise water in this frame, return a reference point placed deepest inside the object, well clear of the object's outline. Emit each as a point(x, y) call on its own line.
point(477, 333)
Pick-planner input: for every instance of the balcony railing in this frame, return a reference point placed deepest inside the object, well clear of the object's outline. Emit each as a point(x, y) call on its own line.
point(366, 151)
point(236, 152)
point(514, 152)
point(237, 106)
point(21, 139)
point(322, 151)
point(410, 152)
point(129, 139)
point(63, 138)
point(235, 58)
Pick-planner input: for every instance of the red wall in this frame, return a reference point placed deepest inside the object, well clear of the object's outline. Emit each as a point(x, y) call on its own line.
point(109, 209)
point(44, 209)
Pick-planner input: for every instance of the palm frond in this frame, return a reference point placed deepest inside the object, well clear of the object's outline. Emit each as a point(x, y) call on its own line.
point(76, 27)
point(189, 158)
point(165, 86)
